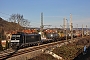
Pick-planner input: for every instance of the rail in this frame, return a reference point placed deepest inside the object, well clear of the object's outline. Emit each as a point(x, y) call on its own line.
point(34, 48)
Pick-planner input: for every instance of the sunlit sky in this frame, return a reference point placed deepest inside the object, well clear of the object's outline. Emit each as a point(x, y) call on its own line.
point(53, 11)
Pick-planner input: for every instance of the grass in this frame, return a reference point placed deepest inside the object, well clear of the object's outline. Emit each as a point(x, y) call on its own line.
point(68, 52)
point(44, 57)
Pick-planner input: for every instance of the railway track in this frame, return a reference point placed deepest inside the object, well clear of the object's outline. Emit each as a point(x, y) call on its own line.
point(12, 53)
point(5, 53)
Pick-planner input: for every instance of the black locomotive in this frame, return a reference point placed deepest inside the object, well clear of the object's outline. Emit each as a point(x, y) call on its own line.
point(24, 40)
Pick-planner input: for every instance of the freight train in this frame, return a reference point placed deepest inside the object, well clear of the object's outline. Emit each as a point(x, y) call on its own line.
point(21, 40)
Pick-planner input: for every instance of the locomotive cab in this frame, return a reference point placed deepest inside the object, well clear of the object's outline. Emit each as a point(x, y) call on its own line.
point(15, 40)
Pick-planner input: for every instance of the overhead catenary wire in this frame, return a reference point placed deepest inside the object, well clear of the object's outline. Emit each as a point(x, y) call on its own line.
point(5, 13)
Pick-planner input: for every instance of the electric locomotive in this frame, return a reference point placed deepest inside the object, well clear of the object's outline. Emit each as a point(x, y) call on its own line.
point(20, 40)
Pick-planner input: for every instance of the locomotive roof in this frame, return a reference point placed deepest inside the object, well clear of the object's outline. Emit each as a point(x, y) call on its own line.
point(25, 34)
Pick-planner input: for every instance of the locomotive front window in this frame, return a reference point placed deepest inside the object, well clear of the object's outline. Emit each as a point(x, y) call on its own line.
point(15, 37)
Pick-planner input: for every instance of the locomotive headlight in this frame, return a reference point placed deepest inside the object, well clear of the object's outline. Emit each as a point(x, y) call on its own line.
point(51, 35)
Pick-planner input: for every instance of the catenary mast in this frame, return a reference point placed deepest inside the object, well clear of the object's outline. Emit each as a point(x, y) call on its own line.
point(71, 26)
point(41, 27)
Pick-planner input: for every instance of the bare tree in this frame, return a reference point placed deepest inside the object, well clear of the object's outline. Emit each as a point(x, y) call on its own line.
point(13, 18)
point(17, 18)
point(26, 23)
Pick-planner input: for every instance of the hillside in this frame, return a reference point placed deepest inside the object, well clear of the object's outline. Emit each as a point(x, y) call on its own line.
point(8, 26)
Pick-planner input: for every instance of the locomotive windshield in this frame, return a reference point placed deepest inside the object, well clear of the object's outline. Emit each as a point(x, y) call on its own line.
point(15, 37)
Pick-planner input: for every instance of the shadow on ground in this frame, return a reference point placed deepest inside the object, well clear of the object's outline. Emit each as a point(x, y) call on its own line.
point(83, 57)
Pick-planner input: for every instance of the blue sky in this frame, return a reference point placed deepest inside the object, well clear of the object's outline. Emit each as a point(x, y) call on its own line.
point(53, 11)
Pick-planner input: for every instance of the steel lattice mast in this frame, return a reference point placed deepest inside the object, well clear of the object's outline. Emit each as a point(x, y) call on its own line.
point(41, 27)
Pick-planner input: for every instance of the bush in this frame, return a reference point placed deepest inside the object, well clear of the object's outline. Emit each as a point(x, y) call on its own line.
point(68, 52)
